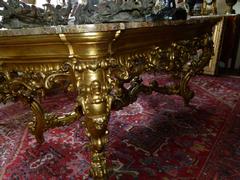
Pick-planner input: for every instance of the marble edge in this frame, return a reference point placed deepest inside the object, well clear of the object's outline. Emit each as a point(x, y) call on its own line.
point(61, 29)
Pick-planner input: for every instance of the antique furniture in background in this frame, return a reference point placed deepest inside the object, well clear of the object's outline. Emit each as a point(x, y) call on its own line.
point(230, 45)
point(230, 4)
point(226, 42)
point(96, 60)
point(225, 37)
point(218, 35)
point(209, 7)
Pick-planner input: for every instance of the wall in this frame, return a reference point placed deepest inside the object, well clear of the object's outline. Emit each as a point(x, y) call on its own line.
point(237, 64)
point(221, 6)
point(237, 7)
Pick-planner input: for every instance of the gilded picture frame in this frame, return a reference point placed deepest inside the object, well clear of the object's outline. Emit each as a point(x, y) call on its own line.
point(218, 33)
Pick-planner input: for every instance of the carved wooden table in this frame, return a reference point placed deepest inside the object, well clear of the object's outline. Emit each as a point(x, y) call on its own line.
point(96, 61)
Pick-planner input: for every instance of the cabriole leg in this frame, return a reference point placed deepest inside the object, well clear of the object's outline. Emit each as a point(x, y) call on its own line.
point(37, 125)
point(184, 89)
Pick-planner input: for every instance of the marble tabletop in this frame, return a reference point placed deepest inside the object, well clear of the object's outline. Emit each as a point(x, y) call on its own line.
point(105, 26)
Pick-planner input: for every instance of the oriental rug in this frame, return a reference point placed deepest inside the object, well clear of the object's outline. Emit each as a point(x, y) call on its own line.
point(157, 137)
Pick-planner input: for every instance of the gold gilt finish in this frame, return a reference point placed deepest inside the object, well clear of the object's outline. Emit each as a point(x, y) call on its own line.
point(96, 61)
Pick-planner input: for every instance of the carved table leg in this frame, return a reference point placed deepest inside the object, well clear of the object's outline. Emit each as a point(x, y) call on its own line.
point(42, 121)
point(29, 87)
point(98, 140)
point(13, 87)
point(184, 89)
point(37, 125)
point(187, 59)
point(95, 100)
point(196, 66)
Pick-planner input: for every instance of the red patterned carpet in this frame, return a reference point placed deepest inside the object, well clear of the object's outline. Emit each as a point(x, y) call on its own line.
point(155, 138)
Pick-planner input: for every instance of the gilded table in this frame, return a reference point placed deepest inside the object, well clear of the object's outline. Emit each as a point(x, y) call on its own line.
point(95, 61)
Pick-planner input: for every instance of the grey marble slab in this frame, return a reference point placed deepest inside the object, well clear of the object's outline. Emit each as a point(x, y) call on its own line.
point(104, 26)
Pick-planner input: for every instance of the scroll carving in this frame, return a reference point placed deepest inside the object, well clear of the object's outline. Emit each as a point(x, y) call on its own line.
point(182, 60)
point(100, 87)
point(29, 87)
